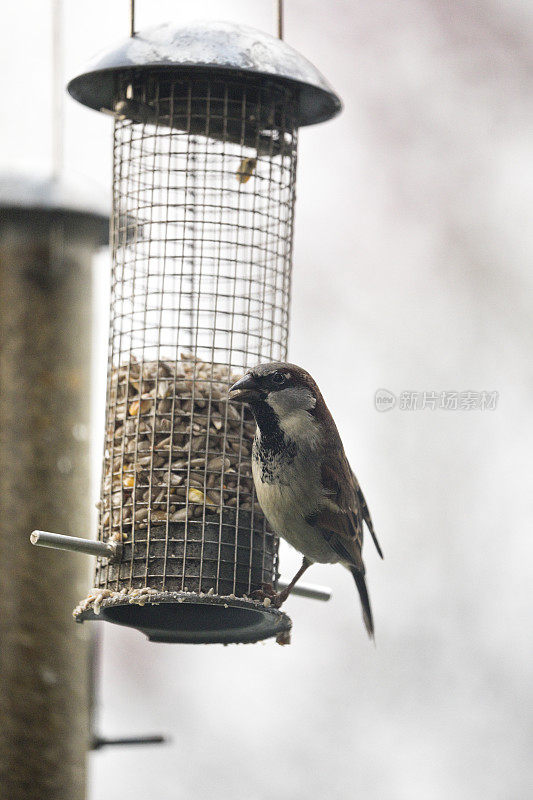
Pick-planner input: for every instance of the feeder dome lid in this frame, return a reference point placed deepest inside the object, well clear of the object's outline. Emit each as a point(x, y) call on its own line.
point(48, 200)
point(209, 48)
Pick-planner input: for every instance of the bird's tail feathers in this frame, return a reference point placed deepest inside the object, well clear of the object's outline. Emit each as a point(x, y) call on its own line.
point(359, 578)
point(366, 515)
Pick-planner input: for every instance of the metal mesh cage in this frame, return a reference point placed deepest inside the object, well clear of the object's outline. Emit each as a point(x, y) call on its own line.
point(203, 198)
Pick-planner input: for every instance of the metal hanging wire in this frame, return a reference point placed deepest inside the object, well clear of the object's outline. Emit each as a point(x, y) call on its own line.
point(57, 90)
point(132, 17)
point(278, 12)
point(279, 18)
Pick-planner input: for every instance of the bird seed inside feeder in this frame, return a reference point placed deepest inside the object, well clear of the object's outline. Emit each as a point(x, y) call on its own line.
point(177, 481)
point(175, 446)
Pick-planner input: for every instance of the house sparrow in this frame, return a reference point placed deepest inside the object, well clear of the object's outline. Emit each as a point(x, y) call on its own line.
point(303, 480)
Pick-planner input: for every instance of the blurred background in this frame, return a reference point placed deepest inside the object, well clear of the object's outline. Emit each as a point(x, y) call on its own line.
point(412, 273)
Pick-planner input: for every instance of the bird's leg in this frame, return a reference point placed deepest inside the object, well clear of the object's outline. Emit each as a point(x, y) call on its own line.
point(278, 599)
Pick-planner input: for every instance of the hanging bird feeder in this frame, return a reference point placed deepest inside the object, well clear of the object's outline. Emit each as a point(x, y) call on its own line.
point(205, 142)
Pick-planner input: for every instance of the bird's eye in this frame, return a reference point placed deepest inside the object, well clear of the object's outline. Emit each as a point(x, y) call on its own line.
point(278, 378)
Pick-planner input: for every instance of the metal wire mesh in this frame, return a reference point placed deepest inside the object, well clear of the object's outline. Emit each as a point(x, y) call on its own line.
point(204, 177)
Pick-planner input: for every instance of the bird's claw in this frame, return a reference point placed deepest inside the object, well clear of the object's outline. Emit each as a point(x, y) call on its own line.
point(279, 598)
point(267, 592)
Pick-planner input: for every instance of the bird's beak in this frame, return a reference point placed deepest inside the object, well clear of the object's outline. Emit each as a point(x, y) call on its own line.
point(246, 390)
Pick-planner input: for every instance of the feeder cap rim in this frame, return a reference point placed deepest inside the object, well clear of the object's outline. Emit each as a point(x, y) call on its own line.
point(209, 46)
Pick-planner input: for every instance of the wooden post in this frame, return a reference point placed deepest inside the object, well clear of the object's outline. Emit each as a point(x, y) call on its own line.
point(45, 344)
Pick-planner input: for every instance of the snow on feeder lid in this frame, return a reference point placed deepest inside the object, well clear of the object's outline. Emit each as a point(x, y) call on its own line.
point(217, 49)
point(205, 140)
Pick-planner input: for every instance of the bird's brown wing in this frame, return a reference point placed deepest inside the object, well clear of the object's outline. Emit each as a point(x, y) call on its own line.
point(341, 519)
point(346, 508)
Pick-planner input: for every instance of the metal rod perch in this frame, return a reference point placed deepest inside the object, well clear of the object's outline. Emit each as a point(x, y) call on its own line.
point(98, 741)
point(308, 590)
point(88, 546)
point(112, 549)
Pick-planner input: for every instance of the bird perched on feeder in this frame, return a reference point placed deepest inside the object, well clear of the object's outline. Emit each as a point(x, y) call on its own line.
point(302, 477)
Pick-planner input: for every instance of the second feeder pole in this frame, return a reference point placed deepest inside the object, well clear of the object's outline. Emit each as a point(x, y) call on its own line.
point(46, 249)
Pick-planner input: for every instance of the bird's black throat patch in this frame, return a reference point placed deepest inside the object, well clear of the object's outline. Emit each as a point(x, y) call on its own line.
point(272, 447)
point(267, 419)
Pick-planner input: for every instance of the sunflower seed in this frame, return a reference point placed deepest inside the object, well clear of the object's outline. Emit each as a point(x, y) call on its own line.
point(181, 515)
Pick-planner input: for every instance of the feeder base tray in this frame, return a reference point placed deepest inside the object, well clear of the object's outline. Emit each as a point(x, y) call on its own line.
point(188, 618)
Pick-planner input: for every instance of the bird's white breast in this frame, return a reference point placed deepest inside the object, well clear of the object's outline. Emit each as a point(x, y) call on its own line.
point(289, 489)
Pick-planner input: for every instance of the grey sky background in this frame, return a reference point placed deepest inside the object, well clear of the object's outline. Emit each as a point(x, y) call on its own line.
point(412, 271)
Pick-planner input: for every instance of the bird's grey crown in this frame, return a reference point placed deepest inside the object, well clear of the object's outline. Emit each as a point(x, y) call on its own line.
point(267, 369)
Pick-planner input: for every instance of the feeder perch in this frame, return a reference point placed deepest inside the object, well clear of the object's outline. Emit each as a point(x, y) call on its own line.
point(205, 141)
